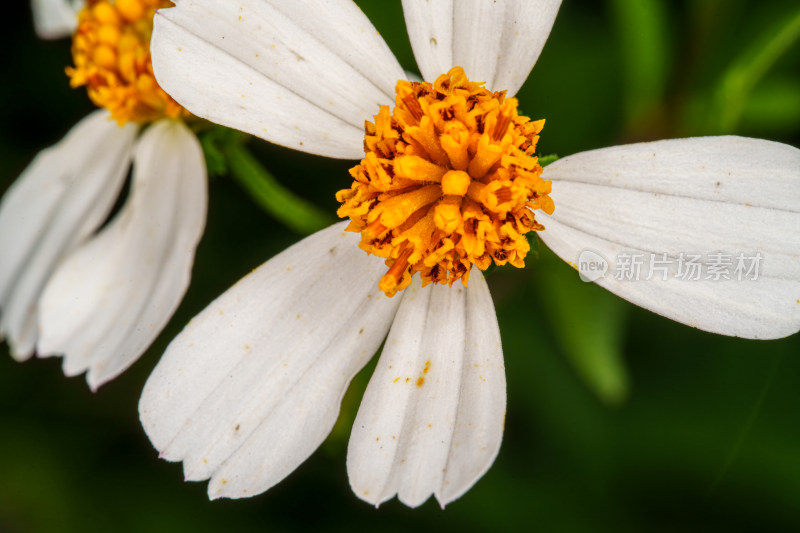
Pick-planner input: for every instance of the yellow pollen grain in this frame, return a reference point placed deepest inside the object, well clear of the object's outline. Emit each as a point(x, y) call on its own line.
point(449, 180)
point(111, 54)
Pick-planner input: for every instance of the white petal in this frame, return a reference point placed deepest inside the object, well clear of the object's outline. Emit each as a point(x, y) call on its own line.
point(301, 74)
point(496, 41)
point(54, 19)
point(110, 299)
point(252, 386)
point(697, 196)
point(430, 30)
point(431, 420)
point(60, 199)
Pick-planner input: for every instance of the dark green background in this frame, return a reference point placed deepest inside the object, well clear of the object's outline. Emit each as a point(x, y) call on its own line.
point(705, 435)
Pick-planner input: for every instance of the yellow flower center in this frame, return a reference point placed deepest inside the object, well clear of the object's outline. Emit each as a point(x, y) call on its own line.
point(111, 51)
point(448, 180)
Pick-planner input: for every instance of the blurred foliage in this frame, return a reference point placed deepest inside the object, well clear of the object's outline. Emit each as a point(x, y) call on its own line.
point(589, 323)
point(641, 29)
point(707, 437)
point(743, 75)
point(227, 155)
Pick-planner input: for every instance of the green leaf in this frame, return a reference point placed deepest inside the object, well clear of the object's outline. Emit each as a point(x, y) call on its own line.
point(749, 68)
point(588, 323)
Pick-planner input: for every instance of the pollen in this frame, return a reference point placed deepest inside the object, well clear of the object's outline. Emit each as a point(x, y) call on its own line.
point(449, 180)
point(111, 53)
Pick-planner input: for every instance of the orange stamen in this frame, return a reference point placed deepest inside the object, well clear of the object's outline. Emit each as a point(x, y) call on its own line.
point(111, 52)
point(449, 180)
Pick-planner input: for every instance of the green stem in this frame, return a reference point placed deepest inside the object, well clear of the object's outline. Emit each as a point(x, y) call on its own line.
point(298, 214)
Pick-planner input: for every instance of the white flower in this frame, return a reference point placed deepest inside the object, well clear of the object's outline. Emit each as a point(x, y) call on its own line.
point(100, 299)
point(54, 19)
point(252, 385)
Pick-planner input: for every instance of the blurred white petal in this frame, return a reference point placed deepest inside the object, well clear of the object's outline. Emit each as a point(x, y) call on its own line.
point(699, 195)
point(431, 420)
point(54, 19)
point(301, 74)
point(494, 41)
point(60, 199)
point(252, 385)
point(111, 298)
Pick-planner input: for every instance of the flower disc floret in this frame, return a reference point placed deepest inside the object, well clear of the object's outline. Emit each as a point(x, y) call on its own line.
point(448, 180)
point(111, 52)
